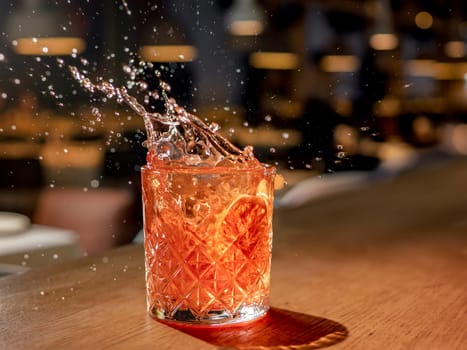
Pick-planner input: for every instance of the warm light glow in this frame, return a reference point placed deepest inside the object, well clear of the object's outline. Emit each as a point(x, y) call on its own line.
point(420, 68)
point(388, 107)
point(444, 71)
point(384, 41)
point(455, 49)
point(340, 63)
point(274, 60)
point(347, 137)
point(168, 53)
point(451, 71)
point(438, 70)
point(246, 28)
point(52, 46)
point(459, 138)
point(423, 20)
point(245, 18)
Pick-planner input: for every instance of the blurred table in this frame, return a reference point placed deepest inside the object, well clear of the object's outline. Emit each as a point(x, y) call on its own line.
point(384, 266)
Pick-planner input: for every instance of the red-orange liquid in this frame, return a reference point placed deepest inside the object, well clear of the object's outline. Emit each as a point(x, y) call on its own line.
point(208, 234)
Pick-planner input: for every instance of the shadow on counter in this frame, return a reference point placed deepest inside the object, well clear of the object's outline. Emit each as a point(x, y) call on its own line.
point(279, 328)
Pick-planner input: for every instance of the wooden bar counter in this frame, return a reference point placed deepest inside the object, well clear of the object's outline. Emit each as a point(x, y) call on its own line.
point(381, 267)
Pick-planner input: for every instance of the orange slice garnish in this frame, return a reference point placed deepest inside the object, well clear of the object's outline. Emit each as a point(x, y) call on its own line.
point(247, 223)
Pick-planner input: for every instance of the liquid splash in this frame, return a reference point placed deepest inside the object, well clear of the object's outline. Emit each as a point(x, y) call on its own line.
point(127, 9)
point(174, 137)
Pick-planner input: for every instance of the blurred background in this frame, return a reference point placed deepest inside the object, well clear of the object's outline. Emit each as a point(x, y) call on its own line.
point(317, 87)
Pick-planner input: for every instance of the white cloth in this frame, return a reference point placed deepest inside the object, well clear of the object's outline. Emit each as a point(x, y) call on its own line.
point(36, 237)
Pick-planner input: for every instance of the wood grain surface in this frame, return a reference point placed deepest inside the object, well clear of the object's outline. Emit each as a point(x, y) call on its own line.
point(383, 266)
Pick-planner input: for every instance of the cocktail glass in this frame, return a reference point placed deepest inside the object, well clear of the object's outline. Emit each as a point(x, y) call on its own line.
point(207, 239)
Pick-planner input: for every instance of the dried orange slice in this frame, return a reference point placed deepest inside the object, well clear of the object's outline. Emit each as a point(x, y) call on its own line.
point(247, 223)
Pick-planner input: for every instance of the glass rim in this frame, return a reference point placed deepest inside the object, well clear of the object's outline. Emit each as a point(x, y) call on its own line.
point(185, 169)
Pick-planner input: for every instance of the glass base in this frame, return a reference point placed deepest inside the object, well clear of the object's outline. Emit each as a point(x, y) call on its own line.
point(214, 317)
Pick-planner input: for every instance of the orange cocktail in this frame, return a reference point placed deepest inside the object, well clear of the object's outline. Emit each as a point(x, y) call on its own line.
point(208, 235)
point(207, 212)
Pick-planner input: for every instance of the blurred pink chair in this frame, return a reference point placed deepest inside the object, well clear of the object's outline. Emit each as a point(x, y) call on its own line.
point(103, 218)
